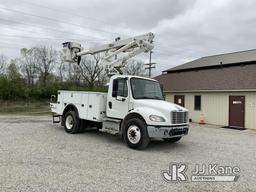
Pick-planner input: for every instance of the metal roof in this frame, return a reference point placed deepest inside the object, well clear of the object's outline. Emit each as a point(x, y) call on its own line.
point(217, 60)
point(238, 77)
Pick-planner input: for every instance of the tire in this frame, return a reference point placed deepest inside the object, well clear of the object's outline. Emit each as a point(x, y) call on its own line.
point(135, 134)
point(71, 122)
point(172, 140)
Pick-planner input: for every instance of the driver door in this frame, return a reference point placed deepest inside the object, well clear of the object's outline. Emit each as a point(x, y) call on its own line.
point(118, 101)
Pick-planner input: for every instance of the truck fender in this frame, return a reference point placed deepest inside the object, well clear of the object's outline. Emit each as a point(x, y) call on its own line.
point(141, 113)
point(130, 115)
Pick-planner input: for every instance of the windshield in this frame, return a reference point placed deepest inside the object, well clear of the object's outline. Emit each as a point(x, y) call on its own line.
point(146, 89)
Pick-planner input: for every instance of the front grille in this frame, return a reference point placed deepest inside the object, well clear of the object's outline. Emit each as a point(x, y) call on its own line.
point(179, 117)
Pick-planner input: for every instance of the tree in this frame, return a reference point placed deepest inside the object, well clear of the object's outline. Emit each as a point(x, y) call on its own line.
point(14, 82)
point(3, 62)
point(92, 71)
point(61, 67)
point(13, 73)
point(135, 67)
point(28, 65)
point(71, 72)
point(45, 60)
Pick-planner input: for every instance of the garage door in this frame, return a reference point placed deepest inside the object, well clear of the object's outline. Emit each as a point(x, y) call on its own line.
point(179, 100)
point(236, 111)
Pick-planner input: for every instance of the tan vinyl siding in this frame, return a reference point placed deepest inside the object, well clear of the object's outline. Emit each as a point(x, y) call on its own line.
point(250, 110)
point(215, 107)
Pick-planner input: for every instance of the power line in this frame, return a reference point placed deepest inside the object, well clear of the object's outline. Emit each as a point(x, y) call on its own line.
point(69, 12)
point(61, 39)
point(37, 38)
point(47, 28)
point(45, 38)
point(64, 39)
point(55, 20)
point(19, 46)
point(89, 38)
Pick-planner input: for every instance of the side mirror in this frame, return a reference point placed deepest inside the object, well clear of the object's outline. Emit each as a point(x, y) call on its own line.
point(120, 98)
point(162, 89)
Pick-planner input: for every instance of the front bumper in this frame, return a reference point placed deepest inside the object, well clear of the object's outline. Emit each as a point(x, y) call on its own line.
point(167, 132)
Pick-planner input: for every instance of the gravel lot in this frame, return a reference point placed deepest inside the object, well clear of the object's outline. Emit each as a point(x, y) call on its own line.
point(38, 156)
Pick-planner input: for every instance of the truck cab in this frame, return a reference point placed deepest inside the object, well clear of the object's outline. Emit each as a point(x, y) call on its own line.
point(142, 98)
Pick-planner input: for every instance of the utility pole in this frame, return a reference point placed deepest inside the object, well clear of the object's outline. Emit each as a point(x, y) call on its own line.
point(150, 65)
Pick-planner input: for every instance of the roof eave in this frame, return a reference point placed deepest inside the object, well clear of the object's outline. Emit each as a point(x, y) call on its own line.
point(211, 90)
point(211, 66)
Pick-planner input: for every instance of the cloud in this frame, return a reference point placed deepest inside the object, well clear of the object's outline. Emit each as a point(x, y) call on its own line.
point(209, 27)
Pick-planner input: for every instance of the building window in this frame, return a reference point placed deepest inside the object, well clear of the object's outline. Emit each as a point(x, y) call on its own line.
point(197, 103)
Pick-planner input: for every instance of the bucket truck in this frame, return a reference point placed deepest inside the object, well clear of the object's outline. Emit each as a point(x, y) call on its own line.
point(134, 107)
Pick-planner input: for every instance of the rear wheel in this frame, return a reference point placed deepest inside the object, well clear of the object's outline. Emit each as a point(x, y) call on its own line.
point(135, 134)
point(71, 122)
point(172, 140)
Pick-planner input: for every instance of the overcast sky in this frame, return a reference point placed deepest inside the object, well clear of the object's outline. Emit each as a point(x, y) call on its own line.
point(184, 29)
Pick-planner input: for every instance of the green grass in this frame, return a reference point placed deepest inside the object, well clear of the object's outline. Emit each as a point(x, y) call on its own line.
point(24, 108)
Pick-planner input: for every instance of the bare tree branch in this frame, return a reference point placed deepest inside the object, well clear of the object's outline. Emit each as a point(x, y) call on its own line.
point(28, 65)
point(45, 59)
point(92, 70)
point(135, 67)
point(3, 63)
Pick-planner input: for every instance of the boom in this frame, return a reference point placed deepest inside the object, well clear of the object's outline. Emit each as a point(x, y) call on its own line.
point(126, 48)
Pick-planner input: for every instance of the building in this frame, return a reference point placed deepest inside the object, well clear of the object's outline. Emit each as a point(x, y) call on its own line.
point(221, 88)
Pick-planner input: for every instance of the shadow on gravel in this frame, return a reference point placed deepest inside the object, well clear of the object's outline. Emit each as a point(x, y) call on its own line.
point(160, 145)
point(154, 145)
point(12, 121)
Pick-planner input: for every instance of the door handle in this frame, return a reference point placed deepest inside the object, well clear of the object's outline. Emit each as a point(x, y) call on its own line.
point(110, 105)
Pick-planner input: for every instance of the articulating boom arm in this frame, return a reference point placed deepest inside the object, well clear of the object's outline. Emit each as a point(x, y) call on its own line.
point(128, 48)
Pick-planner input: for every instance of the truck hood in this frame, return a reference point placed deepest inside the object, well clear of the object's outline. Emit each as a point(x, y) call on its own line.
point(158, 105)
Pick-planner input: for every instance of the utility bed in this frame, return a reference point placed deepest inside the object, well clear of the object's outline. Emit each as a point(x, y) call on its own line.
point(90, 105)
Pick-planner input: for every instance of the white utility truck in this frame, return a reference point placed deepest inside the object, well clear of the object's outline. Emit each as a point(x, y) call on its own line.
point(134, 107)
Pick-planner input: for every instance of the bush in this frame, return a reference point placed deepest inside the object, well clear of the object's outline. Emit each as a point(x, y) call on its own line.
point(18, 90)
point(11, 90)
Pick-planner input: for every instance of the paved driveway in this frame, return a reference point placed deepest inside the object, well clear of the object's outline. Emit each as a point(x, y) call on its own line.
point(38, 156)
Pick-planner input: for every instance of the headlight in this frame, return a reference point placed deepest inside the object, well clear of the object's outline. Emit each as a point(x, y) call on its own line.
point(156, 118)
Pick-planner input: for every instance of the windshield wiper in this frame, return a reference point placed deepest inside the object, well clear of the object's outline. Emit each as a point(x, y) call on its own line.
point(144, 97)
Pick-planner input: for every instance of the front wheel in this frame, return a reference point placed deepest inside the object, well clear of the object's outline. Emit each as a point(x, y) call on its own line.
point(172, 140)
point(135, 134)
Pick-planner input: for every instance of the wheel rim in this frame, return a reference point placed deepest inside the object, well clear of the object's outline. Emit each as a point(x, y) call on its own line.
point(134, 134)
point(69, 122)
